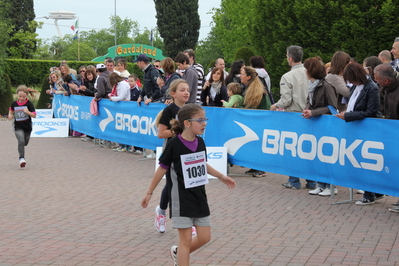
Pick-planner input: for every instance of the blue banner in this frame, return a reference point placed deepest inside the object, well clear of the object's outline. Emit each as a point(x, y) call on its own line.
point(360, 154)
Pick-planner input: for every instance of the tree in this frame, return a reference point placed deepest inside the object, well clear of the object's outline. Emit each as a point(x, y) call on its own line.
point(233, 22)
point(145, 38)
point(123, 29)
point(22, 41)
point(359, 27)
point(86, 52)
point(178, 23)
point(4, 24)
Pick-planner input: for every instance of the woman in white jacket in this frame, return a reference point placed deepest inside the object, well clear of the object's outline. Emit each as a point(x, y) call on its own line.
point(120, 88)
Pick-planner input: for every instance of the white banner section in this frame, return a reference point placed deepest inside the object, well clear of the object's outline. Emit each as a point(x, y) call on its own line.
point(50, 128)
point(44, 113)
point(217, 158)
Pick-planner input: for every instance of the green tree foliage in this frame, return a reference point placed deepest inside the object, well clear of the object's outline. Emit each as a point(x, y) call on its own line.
point(178, 23)
point(85, 52)
point(123, 29)
point(45, 99)
point(245, 54)
point(22, 41)
point(145, 38)
point(233, 22)
point(361, 28)
point(6, 97)
point(208, 50)
point(4, 24)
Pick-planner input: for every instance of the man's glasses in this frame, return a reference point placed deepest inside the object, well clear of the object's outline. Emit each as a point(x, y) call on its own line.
point(82, 71)
point(157, 66)
point(199, 120)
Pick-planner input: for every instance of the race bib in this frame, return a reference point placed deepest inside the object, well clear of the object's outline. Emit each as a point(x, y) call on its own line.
point(194, 169)
point(19, 113)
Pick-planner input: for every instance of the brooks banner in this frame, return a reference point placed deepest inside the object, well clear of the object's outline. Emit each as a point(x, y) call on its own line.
point(360, 154)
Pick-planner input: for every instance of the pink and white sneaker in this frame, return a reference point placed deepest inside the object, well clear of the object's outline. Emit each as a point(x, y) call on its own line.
point(160, 221)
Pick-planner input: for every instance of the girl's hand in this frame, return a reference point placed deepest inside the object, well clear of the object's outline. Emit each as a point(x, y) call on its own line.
point(10, 117)
point(26, 111)
point(146, 200)
point(228, 181)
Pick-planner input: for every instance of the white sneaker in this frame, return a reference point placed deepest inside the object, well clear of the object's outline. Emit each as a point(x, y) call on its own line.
point(316, 191)
point(22, 162)
point(359, 191)
point(151, 156)
point(327, 192)
point(160, 221)
point(173, 254)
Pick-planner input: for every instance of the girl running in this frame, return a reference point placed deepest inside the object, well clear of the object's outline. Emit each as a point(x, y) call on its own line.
point(185, 156)
point(180, 93)
point(21, 112)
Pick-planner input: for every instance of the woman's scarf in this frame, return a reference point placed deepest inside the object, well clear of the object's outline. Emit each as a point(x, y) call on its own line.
point(311, 89)
point(215, 89)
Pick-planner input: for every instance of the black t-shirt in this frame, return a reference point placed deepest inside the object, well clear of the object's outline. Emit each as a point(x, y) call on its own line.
point(21, 120)
point(169, 113)
point(190, 202)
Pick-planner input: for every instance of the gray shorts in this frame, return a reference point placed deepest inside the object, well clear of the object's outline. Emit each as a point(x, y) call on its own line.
point(187, 222)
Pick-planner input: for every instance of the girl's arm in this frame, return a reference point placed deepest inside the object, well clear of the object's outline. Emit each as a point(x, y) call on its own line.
point(31, 114)
point(10, 114)
point(159, 173)
point(225, 179)
point(164, 132)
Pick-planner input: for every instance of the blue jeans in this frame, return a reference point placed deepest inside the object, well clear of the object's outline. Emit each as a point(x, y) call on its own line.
point(294, 181)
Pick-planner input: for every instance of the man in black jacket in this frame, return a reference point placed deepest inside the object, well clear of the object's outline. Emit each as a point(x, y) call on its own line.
point(151, 88)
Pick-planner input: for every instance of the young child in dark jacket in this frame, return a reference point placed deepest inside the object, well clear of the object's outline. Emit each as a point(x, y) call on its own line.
point(134, 95)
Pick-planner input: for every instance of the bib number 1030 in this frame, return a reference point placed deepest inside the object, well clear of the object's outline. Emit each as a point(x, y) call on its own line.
point(198, 171)
point(194, 169)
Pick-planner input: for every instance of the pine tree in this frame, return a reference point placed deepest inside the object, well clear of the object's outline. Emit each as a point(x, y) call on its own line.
point(178, 24)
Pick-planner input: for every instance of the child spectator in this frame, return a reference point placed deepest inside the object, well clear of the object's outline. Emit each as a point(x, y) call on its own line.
point(188, 206)
point(234, 92)
point(134, 95)
point(120, 92)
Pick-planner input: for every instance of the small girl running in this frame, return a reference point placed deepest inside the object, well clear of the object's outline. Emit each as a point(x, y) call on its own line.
point(185, 156)
point(236, 100)
point(180, 93)
point(21, 112)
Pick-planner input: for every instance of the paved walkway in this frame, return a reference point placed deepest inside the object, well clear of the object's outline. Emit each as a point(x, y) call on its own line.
point(79, 204)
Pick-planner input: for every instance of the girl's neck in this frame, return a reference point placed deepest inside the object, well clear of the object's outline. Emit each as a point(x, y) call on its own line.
point(188, 135)
point(179, 104)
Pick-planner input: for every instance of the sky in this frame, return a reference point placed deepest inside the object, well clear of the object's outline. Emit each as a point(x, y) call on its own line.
point(95, 14)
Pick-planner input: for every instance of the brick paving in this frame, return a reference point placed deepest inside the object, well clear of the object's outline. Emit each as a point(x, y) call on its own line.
point(79, 204)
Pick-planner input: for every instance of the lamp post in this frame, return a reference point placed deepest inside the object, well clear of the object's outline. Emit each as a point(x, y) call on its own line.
point(115, 19)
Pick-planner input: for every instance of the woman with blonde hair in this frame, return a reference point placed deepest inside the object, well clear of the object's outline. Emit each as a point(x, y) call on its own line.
point(255, 94)
point(255, 97)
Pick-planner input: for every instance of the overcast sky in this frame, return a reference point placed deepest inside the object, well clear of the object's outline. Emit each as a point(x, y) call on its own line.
point(95, 14)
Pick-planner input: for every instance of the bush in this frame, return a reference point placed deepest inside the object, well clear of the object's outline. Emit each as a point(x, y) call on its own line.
point(45, 99)
point(6, 97)
point(245, 54)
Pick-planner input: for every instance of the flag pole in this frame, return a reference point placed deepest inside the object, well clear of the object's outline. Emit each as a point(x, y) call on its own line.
point(78, 42)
